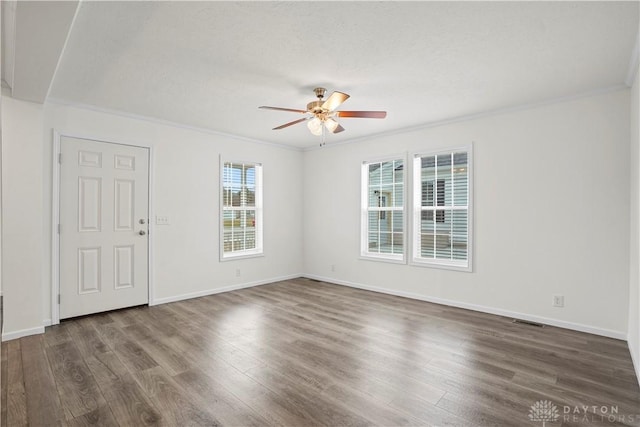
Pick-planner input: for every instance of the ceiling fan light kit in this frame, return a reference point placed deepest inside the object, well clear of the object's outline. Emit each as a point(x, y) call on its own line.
point(315, 126)
point(331, 124)
point(321, 114)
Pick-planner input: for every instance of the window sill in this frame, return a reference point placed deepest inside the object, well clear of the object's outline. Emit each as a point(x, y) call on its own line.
point(242, 255)
point(442, 265)
point(366, 257)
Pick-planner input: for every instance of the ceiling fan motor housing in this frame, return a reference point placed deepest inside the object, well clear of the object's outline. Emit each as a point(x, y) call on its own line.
point(315, 107)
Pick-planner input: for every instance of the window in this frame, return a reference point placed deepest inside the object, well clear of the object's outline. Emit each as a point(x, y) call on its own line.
point(442, 209)
point(383, 215)
point(241, 209)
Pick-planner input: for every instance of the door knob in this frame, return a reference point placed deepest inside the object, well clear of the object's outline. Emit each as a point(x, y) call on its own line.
point(142, 232)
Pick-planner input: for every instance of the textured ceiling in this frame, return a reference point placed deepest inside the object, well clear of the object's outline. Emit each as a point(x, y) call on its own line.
point(211, 64)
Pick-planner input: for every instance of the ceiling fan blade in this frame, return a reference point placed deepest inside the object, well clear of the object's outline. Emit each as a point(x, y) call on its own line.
point(338, 129)
point(286, 125)
point(283, 109)
point(364, 114)
point(334, 101)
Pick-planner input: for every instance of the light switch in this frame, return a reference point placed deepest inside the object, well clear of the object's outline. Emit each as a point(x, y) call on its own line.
point(162, 220)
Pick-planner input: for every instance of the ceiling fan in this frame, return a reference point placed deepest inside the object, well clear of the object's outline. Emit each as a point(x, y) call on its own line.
point(321, 114)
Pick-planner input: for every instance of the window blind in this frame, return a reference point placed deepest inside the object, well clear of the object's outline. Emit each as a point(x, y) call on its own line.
point(442, 208)
point(241, 209)
point(383, 215)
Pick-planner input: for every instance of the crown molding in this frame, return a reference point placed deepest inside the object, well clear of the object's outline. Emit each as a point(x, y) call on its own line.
point(56, 101)
point(489, 113)
point(462, 118)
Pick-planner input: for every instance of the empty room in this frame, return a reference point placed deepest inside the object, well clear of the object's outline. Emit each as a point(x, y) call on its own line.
point(320, 213)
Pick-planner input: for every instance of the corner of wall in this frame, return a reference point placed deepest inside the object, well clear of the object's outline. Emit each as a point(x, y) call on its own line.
point(22, 217)
point(633, 337)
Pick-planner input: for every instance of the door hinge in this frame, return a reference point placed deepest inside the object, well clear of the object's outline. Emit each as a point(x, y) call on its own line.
point(60, 158)
point(58, 299)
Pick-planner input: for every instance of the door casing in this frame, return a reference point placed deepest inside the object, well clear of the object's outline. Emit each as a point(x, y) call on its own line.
point(55, 217)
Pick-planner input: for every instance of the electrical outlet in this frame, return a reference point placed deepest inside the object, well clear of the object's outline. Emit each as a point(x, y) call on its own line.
point(558, 300)
point(162, 220)
point(237, 272)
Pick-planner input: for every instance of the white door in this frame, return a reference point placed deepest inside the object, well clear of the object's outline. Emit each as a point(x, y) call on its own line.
point(104, 211)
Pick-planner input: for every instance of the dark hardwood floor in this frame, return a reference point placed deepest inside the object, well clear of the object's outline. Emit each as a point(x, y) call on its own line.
point(306, 353)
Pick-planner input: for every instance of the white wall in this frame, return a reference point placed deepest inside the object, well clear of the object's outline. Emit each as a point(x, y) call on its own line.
point(22, 177)
point(186, 252)
point(551, 214)
point(634, 248)
point(187, 190)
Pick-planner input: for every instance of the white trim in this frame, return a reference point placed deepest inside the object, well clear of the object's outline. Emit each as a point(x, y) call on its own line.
point(475, 116)
point(634, 62)
point(46, 322)
point(8, 336)
point(480, 308)
point(384, 158)
point(64, 48)
point(636, 363)
point(151, 229)
point(143, 118)
point(365, 209)
point(437, 123)
point(92, 137)
point(382, 258)
point(223, 289)
point(258, 209)
point(55, 237)
point(247, 254)
point(55, 217)
point(416, 211)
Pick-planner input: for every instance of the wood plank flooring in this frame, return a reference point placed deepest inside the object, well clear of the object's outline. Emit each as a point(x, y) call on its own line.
point(307, 353)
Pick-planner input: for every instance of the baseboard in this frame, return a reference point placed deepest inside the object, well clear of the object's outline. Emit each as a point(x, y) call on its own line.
point(229, 288)
point(635, 361)
point(474, 307)
point(8, 336)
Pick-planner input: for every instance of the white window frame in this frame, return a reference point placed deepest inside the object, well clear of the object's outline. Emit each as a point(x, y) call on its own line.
point(259, 229)
point(365, 209)
point(416, 173)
